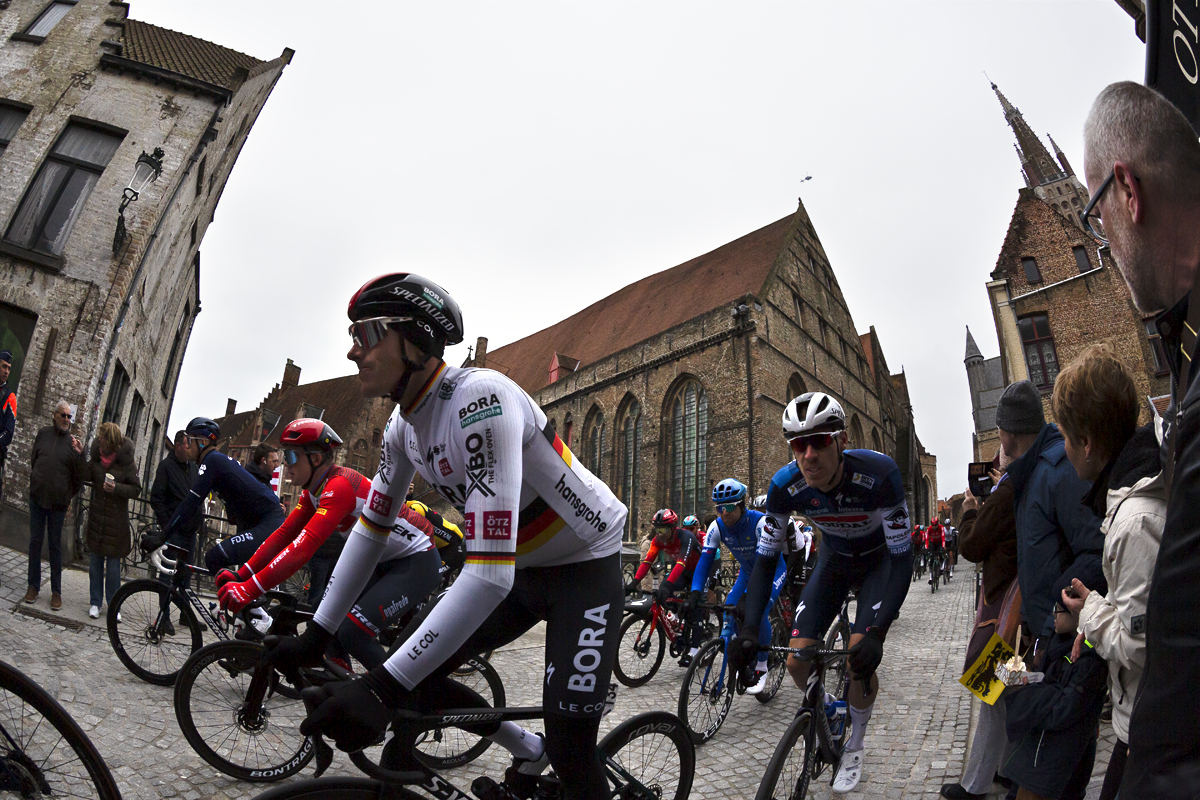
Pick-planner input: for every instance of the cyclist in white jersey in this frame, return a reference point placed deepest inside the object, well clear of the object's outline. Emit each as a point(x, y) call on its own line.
point(542, 535)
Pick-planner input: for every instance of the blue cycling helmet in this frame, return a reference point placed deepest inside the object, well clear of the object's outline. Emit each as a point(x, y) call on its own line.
point(729, 491)
point(203, 428)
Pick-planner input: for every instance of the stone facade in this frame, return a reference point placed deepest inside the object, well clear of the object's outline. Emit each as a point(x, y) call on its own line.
point(661, 405)
point(110, 325)
point(1055, 291)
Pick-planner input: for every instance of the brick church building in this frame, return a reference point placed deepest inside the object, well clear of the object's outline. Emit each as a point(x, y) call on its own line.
point(679, 380)
point(1054, 291)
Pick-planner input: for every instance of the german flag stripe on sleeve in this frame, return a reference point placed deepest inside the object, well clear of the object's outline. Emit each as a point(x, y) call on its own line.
point(499, 559)
point(378, 530)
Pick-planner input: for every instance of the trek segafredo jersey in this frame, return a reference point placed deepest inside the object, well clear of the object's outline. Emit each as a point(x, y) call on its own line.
point(526, 500)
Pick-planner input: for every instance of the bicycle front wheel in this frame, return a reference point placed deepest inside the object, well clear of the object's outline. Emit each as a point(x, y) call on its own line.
point(776, 661)
point(707, 692)
point(639, 651)
point(250, 744)
point(43, 752)
point(793, 763)
point(837, 673)
point(444, 748)
point(651, 757)
point(336, 789)
point(142, 620)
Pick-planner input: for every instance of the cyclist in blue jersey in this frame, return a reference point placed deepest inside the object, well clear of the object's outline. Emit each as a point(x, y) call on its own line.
point(856, 499)
point(252, 508)
point(739, 529)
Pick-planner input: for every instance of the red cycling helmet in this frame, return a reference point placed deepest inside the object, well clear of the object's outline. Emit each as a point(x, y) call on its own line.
point(665, 517)
point(310, 435)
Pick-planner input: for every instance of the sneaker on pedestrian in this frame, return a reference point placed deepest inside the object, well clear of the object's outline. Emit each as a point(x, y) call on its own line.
point(955, 791)
point(31, 595)
point(55, 601)
point(94, 612)
point(849, 771)
point(759, 685)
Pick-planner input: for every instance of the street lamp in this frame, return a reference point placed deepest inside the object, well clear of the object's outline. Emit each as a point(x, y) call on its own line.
point(147, 170)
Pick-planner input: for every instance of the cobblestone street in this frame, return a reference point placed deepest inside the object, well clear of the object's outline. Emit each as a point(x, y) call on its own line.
point(916, 742)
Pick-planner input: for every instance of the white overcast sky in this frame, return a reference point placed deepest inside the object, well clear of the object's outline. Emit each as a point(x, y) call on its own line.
point(535, 157)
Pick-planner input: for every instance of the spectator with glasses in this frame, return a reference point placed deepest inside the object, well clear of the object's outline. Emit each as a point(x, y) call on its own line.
point(56, 471)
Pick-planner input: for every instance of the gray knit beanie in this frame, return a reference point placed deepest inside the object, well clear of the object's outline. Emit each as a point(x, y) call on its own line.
point(1020, 409)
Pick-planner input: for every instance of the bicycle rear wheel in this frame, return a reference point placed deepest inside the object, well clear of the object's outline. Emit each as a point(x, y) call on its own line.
point(250, 744)
point(444, 748)
point(639, 651)
point(336, 789)
point(143, 633)
point(793, 763)
point(43, 752)
point(706, 693)
point(654, 750)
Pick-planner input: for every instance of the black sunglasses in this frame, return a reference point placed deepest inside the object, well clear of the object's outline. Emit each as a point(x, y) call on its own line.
point(1091, 218)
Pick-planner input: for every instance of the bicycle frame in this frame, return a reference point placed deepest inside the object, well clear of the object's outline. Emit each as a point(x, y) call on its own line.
point(814, 693)
point(181, 589)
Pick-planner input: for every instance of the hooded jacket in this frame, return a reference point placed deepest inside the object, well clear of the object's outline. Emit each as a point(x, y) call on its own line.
point(172, 482)
point(1053, 525)
point(108, 517)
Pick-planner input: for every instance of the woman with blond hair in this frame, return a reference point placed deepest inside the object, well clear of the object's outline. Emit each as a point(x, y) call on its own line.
point(1096, 405)
point(114, 479)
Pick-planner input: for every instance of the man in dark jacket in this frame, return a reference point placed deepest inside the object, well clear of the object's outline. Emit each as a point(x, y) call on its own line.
point(263, 464)
point(172, 482)
point(1143, 167)
point(1053, 525)
point(8, 413)
point(56, 472)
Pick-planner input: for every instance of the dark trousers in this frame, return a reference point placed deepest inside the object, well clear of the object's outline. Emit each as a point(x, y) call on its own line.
point(45, 523)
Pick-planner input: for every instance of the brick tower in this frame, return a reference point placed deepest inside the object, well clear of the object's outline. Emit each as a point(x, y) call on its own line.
point(1051, 180)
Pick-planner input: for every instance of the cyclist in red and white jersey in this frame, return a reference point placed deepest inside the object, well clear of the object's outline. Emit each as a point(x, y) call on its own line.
point(330, 503)
point(527, 502)
point(678, 545)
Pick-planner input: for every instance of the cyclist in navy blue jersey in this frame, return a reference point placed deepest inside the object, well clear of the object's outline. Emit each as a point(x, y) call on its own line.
point(739, 529)
point(856, 499)
point(252, 508)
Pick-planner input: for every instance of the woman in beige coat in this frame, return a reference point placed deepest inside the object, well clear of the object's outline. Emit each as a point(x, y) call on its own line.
point(1095, 402)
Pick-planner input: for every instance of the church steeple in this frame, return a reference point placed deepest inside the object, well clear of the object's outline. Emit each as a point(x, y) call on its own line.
point(1036, 162)
point(1053, 182)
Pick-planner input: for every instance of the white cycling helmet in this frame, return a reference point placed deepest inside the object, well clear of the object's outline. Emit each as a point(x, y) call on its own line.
point(759, 502)
point(813, 412)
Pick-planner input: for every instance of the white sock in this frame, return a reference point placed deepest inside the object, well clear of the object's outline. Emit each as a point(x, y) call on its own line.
point(518, 741)
point(858, 718)
point(762, 662)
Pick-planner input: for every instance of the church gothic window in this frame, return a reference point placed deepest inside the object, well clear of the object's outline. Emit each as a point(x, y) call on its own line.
point(1040, 356)
point(795, 387)
point(594, 436)
point(689, 448)
point(628, 451)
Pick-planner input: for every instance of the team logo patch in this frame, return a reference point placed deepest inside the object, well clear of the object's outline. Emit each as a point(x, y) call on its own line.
point(815, 502)
point(480, 409)
point(897, 520)
point(497, 525)
point(380, 503)
point(445, 468)
point(469, 525)
point(797, 487)
point(446, 390)
point(865, 481)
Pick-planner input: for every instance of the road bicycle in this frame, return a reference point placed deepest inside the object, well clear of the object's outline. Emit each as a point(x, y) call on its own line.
point(647, 626)
point(937, 567)
point(919, 565)
point(647, 757)
point(816, 736)
point(706, 694)
point(143, 614)
point(243, 717)
point(43, 751)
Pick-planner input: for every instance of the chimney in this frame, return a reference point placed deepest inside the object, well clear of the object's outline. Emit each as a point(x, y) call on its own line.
point(481, 352)
point(291, 375)
point(230, 407)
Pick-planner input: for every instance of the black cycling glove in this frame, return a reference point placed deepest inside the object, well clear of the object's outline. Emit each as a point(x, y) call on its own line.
point(743, 650)
point(664, 590)
point(866, 655)
point(355, 713)
point(692, 601)
point(288, 653)
point(151, 542)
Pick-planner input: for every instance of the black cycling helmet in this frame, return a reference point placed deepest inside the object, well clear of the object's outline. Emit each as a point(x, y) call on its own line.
point(436, 319)
point(203, 428)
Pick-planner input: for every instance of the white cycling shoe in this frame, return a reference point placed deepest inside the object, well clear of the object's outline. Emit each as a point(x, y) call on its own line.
point(849, 771)
point(759, 685)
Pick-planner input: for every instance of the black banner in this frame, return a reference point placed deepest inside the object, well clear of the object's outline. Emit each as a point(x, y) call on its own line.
point(1173, 54)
